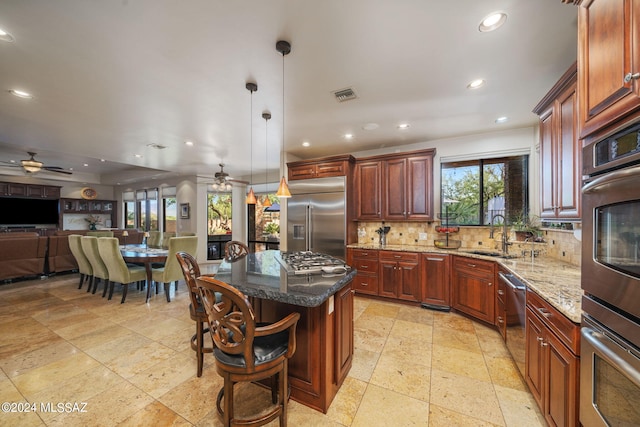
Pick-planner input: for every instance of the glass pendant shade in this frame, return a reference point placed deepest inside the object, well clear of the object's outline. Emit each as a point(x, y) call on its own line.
point(266, 202)
point(283, 189)
point(251, 197)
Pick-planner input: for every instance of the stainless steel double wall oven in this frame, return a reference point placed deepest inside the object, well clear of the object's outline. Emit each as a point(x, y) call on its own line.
point(610, 339)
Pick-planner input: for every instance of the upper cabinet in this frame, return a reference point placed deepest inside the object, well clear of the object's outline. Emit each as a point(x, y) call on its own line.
point(321, 168)
point(560, 151)
point(608, 62)
point(14, 189)
point(395, 187)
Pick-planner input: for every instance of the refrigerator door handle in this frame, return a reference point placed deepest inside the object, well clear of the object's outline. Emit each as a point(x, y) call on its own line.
point(309, 231)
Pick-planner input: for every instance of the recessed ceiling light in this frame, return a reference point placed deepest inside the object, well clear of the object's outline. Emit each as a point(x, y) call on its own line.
point(189, 143)
point(371, 126)
point(103, 160)
point(475, 84)
point(348, 136)
point(306, 144)
point(5, 37)
point(502, 119)
point(21, 94)
point(492, 22)
point(86, 165)
point(139, 156)
point(404, 126)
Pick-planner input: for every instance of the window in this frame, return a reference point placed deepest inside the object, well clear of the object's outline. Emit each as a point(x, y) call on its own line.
point(475, 191)
point(147, 209)
point(129, 209)
point(218, 213)
point(169, 214)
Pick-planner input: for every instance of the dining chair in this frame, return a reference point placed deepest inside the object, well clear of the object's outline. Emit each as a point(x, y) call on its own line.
point(84, 266)
point(119, 271)
point(191, 270)
point(235, 250)
point(246, 352)
point(90, 248)
point(165, 239)
point(171, 271)
point(155, 239)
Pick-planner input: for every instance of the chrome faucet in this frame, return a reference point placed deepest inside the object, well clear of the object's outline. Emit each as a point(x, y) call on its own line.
point(505, 236)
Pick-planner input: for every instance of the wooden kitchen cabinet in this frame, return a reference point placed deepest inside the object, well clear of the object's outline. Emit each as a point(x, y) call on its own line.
point(608, 62)
point(472, 288)
point(560, 151)
point(436, 288)
point(408, 188)
point(368, 189)
point(32, 191)
point(400, 275)
point(395, 187)
point(552, 361)
point(88, 207)
point(365, 261)
point(321, 168)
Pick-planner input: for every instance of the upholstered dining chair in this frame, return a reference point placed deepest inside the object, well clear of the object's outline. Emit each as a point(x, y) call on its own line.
point(119, 271)
point(246, 352)
point(191, 270)
point(165, 239)
point(155, 239)
point(100, 272)
point(235, 250)
point(84, 266)
point(171, 271)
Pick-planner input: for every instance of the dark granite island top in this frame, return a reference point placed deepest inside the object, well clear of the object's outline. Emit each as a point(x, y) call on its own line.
point(261, 275)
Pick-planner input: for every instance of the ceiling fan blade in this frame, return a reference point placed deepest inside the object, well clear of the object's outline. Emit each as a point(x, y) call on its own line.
point(57, 169)
point(239, 181)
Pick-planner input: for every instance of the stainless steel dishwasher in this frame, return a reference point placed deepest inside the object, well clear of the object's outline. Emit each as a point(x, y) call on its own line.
point(515, 303)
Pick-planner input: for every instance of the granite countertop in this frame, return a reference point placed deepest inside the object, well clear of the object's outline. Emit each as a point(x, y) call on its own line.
point(262, 275)
point(555, 281)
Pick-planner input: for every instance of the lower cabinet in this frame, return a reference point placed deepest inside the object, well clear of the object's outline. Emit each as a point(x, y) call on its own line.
point(365, 261)
point(473, 290)
point(436, 288)
point(400, 275)
point(552, 363)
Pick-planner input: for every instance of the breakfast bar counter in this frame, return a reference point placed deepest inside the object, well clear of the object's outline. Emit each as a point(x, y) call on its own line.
point(324, 334)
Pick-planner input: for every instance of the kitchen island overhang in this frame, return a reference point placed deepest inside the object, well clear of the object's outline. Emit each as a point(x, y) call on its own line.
point(324, 333)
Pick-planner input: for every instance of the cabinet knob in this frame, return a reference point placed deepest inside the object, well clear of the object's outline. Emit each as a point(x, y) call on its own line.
point(540, 339)
point(500, 292)
point(490, 284)
point(500, 320)
point(631, 76)
point(543, 344)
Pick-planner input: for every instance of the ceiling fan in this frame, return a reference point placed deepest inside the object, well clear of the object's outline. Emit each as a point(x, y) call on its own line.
point(32, 165)
point(222, 181)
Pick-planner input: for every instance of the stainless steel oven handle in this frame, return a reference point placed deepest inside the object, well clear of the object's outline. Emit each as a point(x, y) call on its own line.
point(612, 352)
point(506, 280)
point(611, 178)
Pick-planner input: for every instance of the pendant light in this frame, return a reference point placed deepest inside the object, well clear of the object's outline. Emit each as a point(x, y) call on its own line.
point(266, 116)
point(251, 197)
point(284, 48)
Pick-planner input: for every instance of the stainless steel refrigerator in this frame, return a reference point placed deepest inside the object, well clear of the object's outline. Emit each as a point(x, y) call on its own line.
point(317, 215)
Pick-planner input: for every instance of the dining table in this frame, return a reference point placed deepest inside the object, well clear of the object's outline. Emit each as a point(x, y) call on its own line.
point(141, 254)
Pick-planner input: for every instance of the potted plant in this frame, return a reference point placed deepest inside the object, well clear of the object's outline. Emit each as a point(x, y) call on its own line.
point(272, 228)
point(526, 227)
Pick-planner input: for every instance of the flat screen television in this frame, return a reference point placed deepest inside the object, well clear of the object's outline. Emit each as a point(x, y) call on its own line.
point(17, 211)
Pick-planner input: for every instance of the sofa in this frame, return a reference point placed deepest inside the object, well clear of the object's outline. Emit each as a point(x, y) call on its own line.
point(22, 254)
point(59, 256)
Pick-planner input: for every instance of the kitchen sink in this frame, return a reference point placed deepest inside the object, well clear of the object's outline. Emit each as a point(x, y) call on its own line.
point(492, 254)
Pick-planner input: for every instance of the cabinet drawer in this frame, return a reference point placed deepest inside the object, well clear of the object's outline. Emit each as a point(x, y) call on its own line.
point(398, 256)
point(475, 267)
point(366, 284)
point(363, 253)
point(366, 265)
point(567, 331)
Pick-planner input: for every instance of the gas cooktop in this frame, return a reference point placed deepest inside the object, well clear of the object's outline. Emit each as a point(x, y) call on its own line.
point(307, 262)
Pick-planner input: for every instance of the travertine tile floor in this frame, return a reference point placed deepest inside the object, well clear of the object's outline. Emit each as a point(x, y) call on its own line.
point(131, 364)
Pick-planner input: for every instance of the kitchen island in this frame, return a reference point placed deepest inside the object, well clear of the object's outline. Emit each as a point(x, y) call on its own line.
point(324, 334)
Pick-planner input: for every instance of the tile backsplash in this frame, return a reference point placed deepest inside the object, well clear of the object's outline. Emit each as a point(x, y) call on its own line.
point(559, 244)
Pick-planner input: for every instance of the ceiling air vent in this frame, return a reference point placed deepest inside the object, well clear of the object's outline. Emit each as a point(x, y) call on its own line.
point(156, 146)
point(343, 95)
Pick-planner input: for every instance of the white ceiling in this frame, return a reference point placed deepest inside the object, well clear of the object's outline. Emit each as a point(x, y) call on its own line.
point(111, 77)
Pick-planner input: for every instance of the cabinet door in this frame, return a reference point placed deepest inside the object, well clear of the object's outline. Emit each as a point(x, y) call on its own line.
point(302, 172)
point(561, 379)
point(435, 279)
point(394, 189)
point(17, 189)
point(569, 152)
point(327, 169)
point(608, 50)
point(534, 357)
point(547, 166)
point(419, 188)
point(409, 288)
point(474, 296)
point(344, 335)
point(389, 279)
point(35, 191)
point(368, 190)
